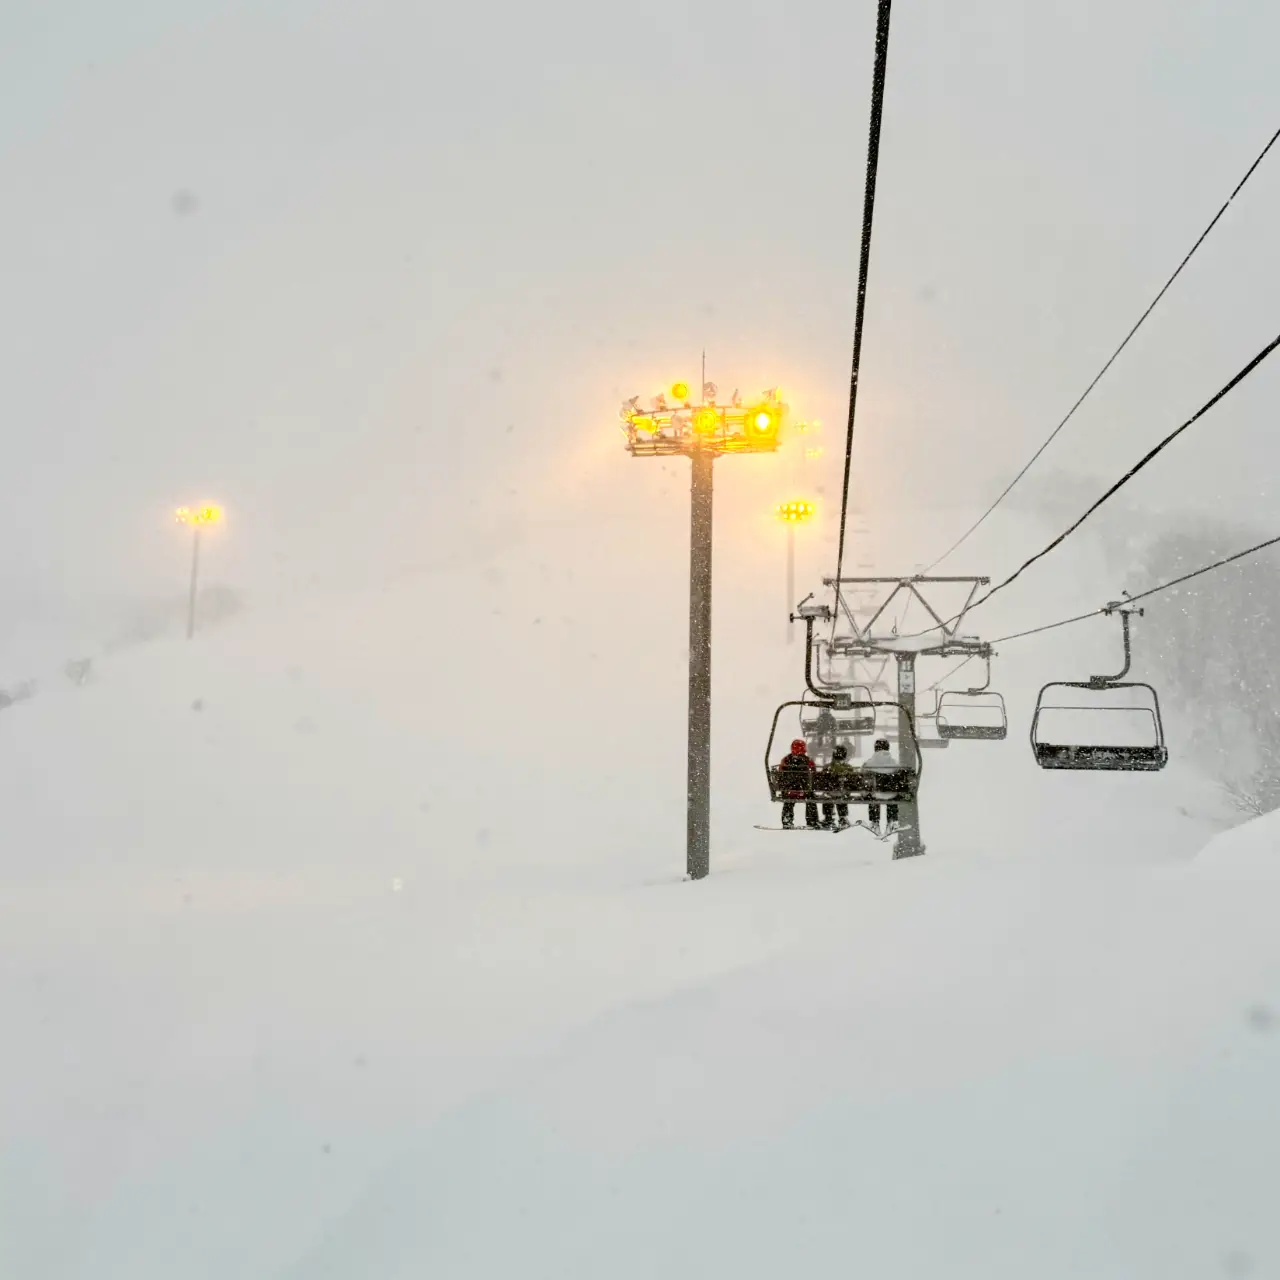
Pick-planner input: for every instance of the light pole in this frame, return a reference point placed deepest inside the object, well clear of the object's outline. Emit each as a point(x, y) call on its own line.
point(197, 518)
point(792, 513)
point(701, 432)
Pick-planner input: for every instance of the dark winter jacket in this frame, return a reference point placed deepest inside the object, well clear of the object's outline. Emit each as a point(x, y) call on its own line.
point(795, 773)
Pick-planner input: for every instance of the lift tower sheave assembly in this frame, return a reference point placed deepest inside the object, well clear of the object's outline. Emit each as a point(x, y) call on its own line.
point(868, 640)
point(702, 432)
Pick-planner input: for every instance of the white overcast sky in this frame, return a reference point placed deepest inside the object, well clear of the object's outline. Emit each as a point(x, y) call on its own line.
point(359, 270)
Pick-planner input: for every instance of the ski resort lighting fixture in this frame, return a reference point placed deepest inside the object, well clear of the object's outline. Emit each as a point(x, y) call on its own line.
point(196, 518)
point(675, 425)
point(701, 432)
point(798, 509)
point(209, 513)
point(795, 512)
point(705, 419)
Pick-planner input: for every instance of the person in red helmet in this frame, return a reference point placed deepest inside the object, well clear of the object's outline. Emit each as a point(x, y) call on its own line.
point(795, 779)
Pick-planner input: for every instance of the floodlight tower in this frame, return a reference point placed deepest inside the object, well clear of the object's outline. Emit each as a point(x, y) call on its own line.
point(701, 432)
point(198, 518)
point(797, 511)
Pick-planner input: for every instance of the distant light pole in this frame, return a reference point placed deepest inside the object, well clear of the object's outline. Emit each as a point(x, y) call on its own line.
point(197, 518)
point(701, 432)
point(792, 513)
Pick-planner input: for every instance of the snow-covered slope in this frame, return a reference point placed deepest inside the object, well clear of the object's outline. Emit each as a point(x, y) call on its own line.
point(352, 940)
point(987, 1071)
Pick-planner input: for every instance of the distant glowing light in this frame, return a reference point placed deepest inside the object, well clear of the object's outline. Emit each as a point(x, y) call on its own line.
point(705, 420)
point(208, 513)
point(679, 390)
point(797, 510)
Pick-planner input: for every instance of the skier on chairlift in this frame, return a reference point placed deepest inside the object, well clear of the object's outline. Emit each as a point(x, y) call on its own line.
point(837, 815)
point(795, 777)
point(883, 761)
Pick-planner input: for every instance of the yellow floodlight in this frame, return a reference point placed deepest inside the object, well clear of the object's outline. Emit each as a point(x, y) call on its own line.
point(705, 420)
point(796, 511)
point(763, 420)
point(680, 391)
point(206, 513)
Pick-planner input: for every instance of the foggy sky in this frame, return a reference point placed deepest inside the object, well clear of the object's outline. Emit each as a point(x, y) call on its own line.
point(360, 271)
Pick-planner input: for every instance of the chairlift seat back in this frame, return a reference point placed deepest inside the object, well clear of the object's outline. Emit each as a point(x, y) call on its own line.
point(1105, 736)
point(966, 716)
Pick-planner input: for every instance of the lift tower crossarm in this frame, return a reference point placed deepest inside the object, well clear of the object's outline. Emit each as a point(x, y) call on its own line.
point(911, 586)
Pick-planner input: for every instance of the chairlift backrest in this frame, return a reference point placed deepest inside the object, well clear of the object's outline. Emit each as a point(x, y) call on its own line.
point(972, 715)
point(1106, 723)
point(1099, 726)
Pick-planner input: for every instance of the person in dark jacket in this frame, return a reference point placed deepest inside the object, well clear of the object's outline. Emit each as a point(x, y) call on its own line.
point(795, 779)
point(831, 813)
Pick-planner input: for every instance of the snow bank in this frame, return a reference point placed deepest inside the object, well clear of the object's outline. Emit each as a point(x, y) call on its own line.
point(1252, 846)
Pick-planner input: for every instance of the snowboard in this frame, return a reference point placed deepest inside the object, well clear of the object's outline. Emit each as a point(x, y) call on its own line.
point(832, 831)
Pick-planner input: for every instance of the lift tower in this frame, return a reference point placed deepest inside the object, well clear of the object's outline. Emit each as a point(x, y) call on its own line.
point(852, 639)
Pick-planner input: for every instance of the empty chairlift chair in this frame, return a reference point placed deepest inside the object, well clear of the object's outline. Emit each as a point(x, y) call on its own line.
point(1103, 723)
point(825, 726)
point(858, 717)
point(976, 715)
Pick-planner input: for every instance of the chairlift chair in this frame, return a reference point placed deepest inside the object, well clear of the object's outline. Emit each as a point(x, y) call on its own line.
point(975, 715)
point(1105, 733)
point(834, 722)
point(859, 786)
point(859, 716)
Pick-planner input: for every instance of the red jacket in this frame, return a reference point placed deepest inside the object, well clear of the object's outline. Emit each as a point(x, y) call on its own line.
point(795, 773)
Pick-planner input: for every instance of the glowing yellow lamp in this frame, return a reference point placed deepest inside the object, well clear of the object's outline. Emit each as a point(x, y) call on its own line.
point(208, 513)
point(797, 510)
point(762, 420)
point(680, 391)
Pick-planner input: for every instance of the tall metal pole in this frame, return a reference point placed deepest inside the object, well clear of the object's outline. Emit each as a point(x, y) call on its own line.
point(698, 841)
point(791, 578)
point(195, 571)
point(908, 844)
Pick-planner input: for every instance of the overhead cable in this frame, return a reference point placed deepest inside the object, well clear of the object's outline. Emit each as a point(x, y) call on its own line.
point(1110, 360)
point(1146, 458)
point(864, 261)
point(1143, 595)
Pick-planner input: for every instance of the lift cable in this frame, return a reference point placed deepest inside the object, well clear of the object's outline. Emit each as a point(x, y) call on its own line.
point(1129, 599)
point(1119, 484)
point(964, 662)
point(864, 262)
point(1146, 458)
point(1110, 361)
